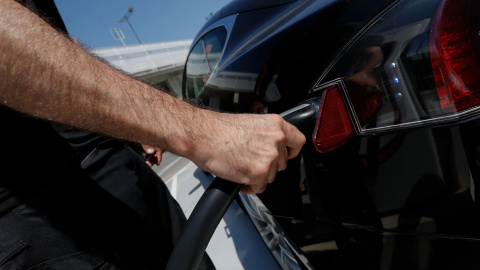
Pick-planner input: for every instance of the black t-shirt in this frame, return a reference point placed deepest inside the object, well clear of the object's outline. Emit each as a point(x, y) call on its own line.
point(32, 157)
point(114, 202)
point(36, 155)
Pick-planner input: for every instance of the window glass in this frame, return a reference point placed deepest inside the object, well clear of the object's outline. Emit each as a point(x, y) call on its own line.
point(202, 61)
point(214, 42)
point(197, 70)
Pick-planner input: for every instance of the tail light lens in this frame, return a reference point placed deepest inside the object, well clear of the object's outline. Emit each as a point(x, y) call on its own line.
point(415, 65)
point(333, 120)
point(454, 54)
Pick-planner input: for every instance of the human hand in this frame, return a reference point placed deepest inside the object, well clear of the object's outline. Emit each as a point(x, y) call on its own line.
point(154, 155)
point(248, 149)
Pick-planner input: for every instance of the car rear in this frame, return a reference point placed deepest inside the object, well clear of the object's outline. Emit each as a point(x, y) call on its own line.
point(388, 177)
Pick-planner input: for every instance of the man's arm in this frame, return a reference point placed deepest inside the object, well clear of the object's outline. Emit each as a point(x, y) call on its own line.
point(48, 76)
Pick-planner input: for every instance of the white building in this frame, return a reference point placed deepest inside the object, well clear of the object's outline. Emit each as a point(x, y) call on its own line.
point(160, 63)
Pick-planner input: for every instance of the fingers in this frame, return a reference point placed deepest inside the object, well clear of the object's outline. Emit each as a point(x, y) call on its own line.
point(294, 140)
point(150, 160)
point(154, 155)
point(282, 158)
point(259, 147)
point(289, 148)
point(158, 155)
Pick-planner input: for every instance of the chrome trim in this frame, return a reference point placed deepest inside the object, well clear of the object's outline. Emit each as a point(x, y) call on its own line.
point(227, 23)
point(438, 121)
point(350, 43)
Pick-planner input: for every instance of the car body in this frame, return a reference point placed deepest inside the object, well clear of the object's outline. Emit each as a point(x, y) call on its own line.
point(388, 176)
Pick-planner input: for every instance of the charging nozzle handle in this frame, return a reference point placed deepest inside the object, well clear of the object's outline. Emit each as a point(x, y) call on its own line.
point(213, 204)
point(304, 116)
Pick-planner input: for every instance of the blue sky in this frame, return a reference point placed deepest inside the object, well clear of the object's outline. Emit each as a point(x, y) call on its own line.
point(153, 20)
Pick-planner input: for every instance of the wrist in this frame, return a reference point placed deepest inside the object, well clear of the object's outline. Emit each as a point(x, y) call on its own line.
point(192, 137)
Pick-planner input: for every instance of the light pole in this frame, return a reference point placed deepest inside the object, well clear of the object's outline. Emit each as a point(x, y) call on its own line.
point(125, 19)
point(118, 35)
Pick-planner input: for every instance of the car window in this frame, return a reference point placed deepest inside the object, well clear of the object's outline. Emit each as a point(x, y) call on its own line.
point(203, 59)
point(214, 43)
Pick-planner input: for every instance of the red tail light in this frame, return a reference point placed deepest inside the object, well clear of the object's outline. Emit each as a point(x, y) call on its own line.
point(453, 55)
point(333, 126)
point(405, 70)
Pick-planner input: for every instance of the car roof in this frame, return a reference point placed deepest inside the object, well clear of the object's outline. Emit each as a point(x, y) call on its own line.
point(240, 6)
